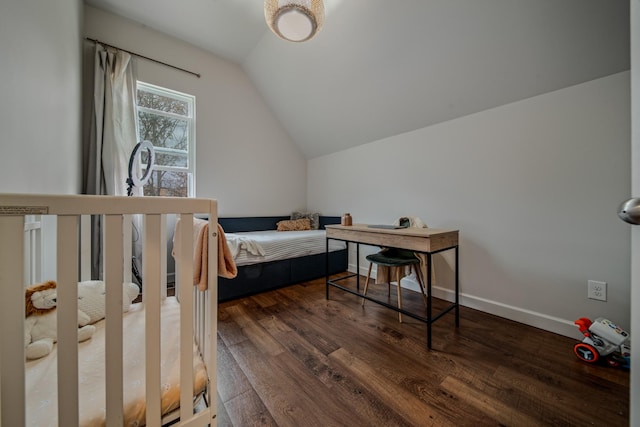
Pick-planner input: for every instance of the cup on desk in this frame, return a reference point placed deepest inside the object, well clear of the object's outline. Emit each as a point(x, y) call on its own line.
point(346, 219)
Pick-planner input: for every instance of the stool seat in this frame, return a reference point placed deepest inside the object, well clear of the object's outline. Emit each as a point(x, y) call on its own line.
point(393, 257)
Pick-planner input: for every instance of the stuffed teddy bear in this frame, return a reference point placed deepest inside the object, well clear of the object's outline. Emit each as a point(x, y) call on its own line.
point(91, 298)
point(41, 321)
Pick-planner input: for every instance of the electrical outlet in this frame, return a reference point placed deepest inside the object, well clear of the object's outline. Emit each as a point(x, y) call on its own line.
point(597, 290)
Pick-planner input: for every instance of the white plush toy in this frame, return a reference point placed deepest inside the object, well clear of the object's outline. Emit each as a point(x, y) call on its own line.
point(91, 298)
point(41, 322)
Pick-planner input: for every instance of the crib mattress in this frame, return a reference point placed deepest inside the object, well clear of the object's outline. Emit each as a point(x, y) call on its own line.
point(254, 247)
point(41, 374)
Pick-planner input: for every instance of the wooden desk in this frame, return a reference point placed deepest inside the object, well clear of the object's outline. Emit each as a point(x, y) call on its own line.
point(428, 241)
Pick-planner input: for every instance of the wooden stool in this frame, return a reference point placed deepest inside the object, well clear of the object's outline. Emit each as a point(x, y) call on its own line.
point(392, 257)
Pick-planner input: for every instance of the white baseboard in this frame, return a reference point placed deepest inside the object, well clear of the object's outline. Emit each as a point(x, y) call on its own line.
point(528, 317)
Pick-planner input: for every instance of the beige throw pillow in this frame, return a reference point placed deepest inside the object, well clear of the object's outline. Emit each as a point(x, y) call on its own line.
point(294, 224)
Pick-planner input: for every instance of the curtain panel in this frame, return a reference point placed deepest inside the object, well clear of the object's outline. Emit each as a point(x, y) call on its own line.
point(112, 134)
point(113, 123)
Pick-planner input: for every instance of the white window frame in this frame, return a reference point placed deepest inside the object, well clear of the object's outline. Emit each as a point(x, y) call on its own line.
point(191, 125)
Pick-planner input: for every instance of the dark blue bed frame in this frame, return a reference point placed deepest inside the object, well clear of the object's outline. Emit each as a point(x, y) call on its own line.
point(256, 278)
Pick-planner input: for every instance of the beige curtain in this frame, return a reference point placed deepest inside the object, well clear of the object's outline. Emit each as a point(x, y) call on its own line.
point(112, 133)
point(113, 124)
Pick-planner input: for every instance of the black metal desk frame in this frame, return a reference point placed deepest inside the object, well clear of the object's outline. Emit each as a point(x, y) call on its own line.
point(430, 318)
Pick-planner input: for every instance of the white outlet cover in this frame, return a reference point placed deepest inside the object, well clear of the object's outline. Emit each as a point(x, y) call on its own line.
point(597, 290)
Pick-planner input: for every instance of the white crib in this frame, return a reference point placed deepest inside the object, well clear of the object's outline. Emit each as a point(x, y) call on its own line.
point(197, 310)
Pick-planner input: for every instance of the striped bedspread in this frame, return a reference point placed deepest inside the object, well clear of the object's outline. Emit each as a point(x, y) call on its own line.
point(254, 247)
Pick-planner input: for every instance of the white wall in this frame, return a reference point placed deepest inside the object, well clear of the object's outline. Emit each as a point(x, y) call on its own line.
point(245, 159)
point(40, 85)
point(533, 187)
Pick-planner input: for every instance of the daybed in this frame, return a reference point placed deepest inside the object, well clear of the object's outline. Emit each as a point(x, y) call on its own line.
point(139, 366)
point(260, 273)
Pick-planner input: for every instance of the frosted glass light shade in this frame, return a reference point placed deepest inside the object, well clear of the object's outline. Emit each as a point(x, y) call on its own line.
point(294, 20)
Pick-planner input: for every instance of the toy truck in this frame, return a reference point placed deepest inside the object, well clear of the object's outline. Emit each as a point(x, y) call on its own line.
point(603, 341)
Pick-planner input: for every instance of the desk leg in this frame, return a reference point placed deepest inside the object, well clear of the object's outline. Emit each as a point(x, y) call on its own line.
point(326, 271)
point(357, 266)
point(429, 300)
point(457, 291)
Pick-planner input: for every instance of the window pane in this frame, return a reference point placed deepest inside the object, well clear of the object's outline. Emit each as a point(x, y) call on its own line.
point(162, 103)
point(169, 136)
point(167, 183)
point(177, 158)
point(167, 119)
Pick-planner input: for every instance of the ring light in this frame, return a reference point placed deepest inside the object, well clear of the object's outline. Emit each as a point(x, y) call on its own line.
point(136, 159)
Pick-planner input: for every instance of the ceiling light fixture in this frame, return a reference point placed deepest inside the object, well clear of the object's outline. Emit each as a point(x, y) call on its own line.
point(294, 20)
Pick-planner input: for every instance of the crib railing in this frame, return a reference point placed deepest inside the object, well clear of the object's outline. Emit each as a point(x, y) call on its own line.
point(32, 249)
point(198, 310)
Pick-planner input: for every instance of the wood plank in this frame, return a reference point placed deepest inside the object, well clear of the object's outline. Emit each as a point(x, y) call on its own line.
point(304, 356)
point(402, 370)
point(492, 407)
point(247, 409)
point(232, 381)
point(222, 417)
point(342, 389)
point(544, 398)
point(253, 331)
point(265, 299)
point(287, 403)
point(409, 406)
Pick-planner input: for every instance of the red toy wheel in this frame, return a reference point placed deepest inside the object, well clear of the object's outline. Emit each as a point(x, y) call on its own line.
point(586, 352)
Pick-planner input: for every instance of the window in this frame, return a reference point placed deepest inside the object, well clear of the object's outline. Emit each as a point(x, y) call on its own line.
point(166, 118)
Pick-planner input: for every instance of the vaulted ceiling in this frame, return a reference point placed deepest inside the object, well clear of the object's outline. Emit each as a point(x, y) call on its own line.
point(379, 67)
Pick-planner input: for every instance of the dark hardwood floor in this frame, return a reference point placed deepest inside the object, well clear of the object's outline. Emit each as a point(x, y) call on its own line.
point(292, 358)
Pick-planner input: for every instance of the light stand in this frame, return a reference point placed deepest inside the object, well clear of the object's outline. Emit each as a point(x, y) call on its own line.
point(133, 180)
